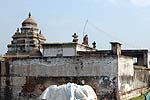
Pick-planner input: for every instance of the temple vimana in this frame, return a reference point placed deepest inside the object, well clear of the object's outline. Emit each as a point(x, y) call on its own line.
point(31, 64)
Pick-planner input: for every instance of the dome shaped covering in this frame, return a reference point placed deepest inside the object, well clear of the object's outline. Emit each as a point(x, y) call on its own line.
point(29, 21)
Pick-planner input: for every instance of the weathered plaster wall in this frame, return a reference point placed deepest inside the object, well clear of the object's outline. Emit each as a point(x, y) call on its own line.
point(82, 47)
point(5, 90)
point(132, 80)
point(148, 59)
point(68, 66)
point(64, 49)
point(31, 76)
point(58, 51)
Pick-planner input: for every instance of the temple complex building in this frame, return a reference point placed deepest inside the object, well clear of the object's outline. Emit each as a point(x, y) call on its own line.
point(31, 65)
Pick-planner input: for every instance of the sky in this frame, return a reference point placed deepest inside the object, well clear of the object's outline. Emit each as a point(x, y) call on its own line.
point(125, 21)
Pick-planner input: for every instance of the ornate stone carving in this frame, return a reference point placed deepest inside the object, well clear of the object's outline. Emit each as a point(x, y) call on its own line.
point(75, 37)
point(85, 40)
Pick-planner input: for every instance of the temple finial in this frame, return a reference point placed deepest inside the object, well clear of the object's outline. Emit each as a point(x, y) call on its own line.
point(75, 37)
point(85, 40)
point(29, 14)
point(17, 29)
point(40, 32)
point(94, 44)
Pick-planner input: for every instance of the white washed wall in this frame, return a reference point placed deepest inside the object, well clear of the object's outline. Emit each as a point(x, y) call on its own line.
point(52, 52)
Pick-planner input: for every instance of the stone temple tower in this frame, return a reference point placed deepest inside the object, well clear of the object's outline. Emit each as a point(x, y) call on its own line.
point(27, 40)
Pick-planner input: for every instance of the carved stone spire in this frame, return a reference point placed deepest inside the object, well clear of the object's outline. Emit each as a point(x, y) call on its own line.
point(94, 44)
point(25, 41)
point(40, 32)
point(29, 14)
point(17, 30)
point(75, 37)
point(85, 40)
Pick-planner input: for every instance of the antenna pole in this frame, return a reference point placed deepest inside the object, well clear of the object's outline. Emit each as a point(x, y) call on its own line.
point(85, 27)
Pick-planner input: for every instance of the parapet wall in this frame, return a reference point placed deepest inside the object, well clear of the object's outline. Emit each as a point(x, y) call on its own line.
point(26, 78)
point(29, 77)
point(69, 66)
point(132, 80)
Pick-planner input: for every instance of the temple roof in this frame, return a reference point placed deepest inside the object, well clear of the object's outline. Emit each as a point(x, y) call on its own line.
point(29, 20)
point(26, 42)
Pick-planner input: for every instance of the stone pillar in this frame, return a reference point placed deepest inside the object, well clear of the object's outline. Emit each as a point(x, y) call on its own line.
point(116, 48)
point(145, 59)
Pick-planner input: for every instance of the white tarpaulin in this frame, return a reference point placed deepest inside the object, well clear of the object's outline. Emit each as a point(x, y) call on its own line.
point(69, 91)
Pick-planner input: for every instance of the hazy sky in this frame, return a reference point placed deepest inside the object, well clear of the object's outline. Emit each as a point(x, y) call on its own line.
point(127, 21)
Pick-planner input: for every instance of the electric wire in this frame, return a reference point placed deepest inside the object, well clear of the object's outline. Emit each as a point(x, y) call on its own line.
point(99, 29)
point(109, 35)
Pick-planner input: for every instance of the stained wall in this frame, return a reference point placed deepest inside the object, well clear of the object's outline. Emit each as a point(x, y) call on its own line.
point(132, 80)
point(31, 76)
